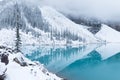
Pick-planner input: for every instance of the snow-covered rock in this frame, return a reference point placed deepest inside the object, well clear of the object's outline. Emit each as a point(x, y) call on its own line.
point(108, 34)
point(17, 67)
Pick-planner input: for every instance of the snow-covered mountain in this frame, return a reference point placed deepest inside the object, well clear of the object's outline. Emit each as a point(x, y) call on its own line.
point(45, 24)
point(62, 25)
point(14, 66)
point(108, 34)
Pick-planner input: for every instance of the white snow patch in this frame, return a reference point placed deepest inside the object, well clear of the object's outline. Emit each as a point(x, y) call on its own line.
point(8, 37)
point(15, 71)
point(60, 23)
point(2, 68)
point(108, 34)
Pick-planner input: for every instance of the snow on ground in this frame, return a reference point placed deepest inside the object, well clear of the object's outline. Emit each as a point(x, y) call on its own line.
point(60, 23)
point(20, 68)
point(8, 37)
point(56, 22)
point(108, 34)
point(2, 68)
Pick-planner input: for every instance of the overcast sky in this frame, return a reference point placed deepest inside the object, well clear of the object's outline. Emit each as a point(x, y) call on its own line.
point(102, 9)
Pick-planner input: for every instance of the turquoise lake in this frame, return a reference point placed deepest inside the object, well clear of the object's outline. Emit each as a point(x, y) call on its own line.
point(84, 62)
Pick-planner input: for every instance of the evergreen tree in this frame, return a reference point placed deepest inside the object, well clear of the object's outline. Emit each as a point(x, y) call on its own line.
point(17, 15)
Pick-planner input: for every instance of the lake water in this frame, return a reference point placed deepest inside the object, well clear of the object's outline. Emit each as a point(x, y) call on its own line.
point(86, 62)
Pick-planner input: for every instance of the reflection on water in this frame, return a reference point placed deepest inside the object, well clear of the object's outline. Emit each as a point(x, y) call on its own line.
point(90, 62)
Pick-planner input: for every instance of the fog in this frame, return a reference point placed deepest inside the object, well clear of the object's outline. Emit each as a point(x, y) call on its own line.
point(101, 9)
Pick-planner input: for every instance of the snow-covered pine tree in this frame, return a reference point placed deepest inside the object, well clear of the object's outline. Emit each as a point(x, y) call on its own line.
point(17, 15)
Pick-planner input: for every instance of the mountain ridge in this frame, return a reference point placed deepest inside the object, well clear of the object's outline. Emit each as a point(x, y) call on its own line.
point(36, 21)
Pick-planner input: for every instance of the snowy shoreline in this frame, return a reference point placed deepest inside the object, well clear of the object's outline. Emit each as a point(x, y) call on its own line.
point(19, 67)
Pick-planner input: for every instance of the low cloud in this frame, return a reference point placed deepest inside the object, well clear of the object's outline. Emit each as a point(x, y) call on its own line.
point(101, 9)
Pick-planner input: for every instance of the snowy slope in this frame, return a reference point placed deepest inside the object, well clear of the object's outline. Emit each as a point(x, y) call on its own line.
point(108, 34)
point(44, 23)
point(60, 23)
point(8, 37)
point(16, 67)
